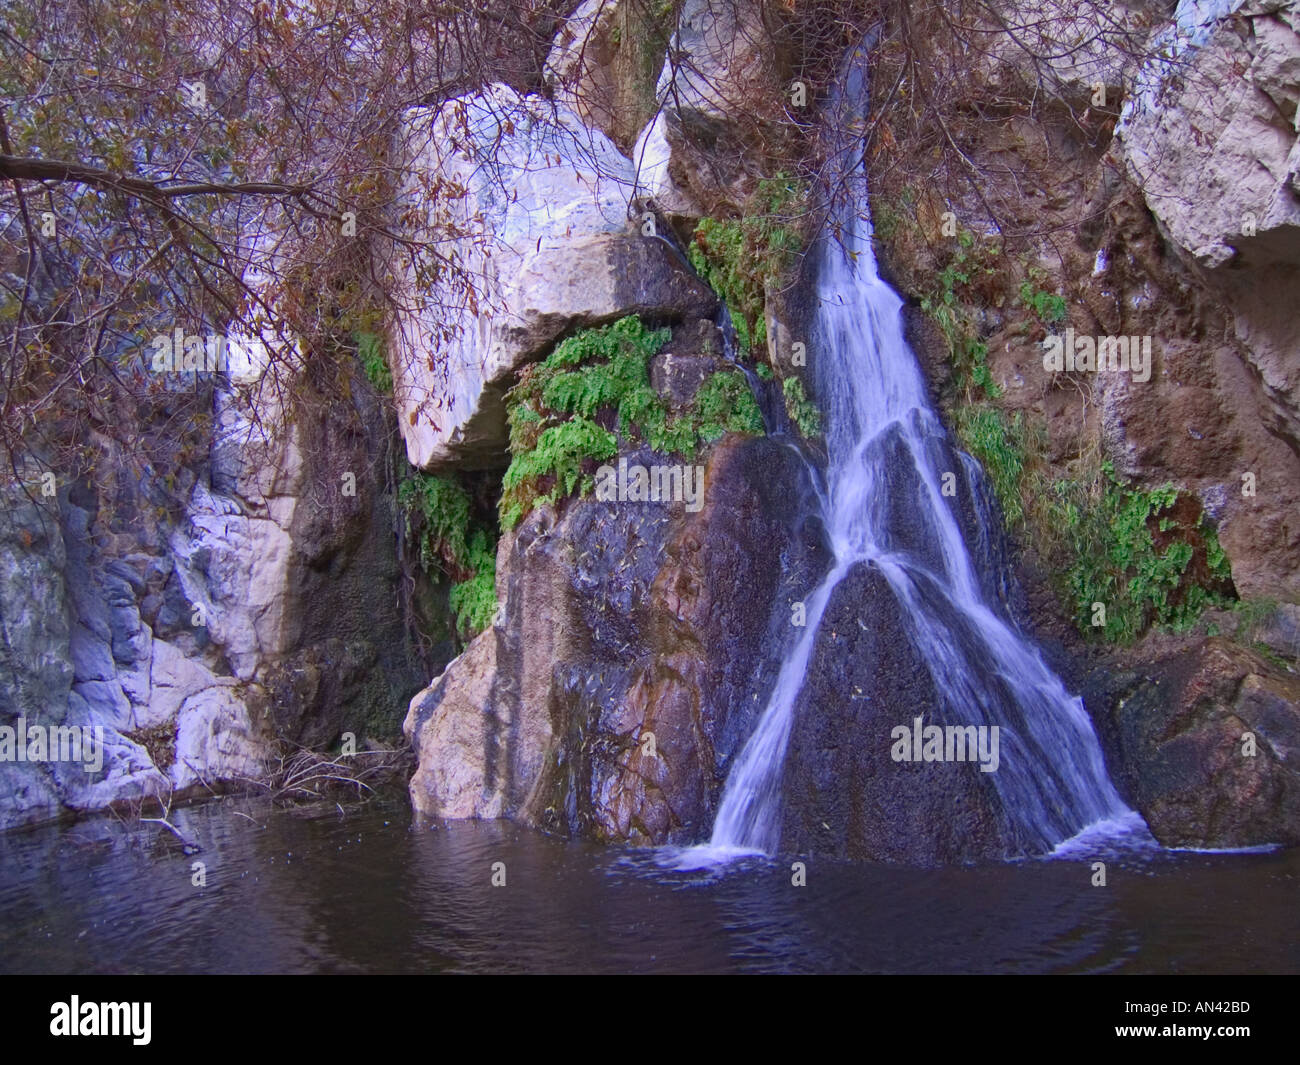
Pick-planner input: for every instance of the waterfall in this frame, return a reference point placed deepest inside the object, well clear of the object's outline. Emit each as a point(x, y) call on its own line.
point(887, 453)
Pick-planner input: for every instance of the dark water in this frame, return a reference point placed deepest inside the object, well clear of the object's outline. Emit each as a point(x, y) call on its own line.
point(309, 890)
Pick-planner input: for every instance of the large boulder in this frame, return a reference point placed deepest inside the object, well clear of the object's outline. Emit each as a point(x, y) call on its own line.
point(630, 659)
point(1066, 49)
point(1214, 145)
point(605, 62)
point(843, 794)
point(722, 79)
point(180, 618)
point(1206, 743)
point(545, 237)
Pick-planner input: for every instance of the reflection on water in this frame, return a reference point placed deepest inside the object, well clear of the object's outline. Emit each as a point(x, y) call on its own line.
point(309, 890)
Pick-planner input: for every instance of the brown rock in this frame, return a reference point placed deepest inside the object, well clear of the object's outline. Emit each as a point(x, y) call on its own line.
point(1175, 737)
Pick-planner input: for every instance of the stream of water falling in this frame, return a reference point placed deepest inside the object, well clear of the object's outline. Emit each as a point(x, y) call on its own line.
point(887, 453)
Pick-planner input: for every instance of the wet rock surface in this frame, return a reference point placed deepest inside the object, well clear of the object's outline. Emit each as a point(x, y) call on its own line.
point(634, 651)
point(1179, 735)
point(844, 795)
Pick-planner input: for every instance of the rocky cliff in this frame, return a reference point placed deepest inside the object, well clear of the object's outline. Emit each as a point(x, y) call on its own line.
point(1083, 170)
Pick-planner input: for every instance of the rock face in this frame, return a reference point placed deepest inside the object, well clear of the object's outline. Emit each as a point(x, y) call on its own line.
point(37, 660)
point(604, 63)
point(196, 640)
point(548, 236)
point(1105, 44)
point(1205, 149)
point(1231, 188)
point(1227, 197)
point(723, 74)
point(682, 87)
point(843, 793)
point(635, 644)
point(721, 61)
point(1206, 743)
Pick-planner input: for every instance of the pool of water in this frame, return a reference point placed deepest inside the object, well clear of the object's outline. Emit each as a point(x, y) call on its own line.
point(363, 890)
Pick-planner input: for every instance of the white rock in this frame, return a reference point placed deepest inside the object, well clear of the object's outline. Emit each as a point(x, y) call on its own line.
point(126, 770)
point(215, 739)
point(546, 207)
point(174, 679)
point(1211, 156)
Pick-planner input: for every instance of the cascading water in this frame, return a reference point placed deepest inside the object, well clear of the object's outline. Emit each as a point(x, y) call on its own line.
point(888, 452)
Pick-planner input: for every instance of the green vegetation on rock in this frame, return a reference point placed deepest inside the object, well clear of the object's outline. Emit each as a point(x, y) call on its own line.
point(802, 410)
point(1047, 307)
point(1147, 555)
point(370, 351)
point(1135, 553)
point(559, 410)
point(474, 601)
point(740, 257)
point(439, 515)
point(972, 263)
point(999, 445)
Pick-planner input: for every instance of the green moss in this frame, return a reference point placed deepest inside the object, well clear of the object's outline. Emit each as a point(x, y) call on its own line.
point(739, 257)
point(1253, 614)
point(439, 516)
point(370, 351)
point(558, 410)
point(724, 404)
point(444, 507)
point(802, 411)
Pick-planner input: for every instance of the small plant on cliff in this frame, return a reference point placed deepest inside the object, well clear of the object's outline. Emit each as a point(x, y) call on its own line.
point(568, 412)
point(972, 266)
point(740, 257)
point(1048, 307)
point(802, 410)
point(370, 351)
point(1147, 555)
point(439, 515)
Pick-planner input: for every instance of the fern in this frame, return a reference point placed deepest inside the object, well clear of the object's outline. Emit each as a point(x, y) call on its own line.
point(451, 542)
point(739, 258)
point(556, 410)
point(559, 455)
